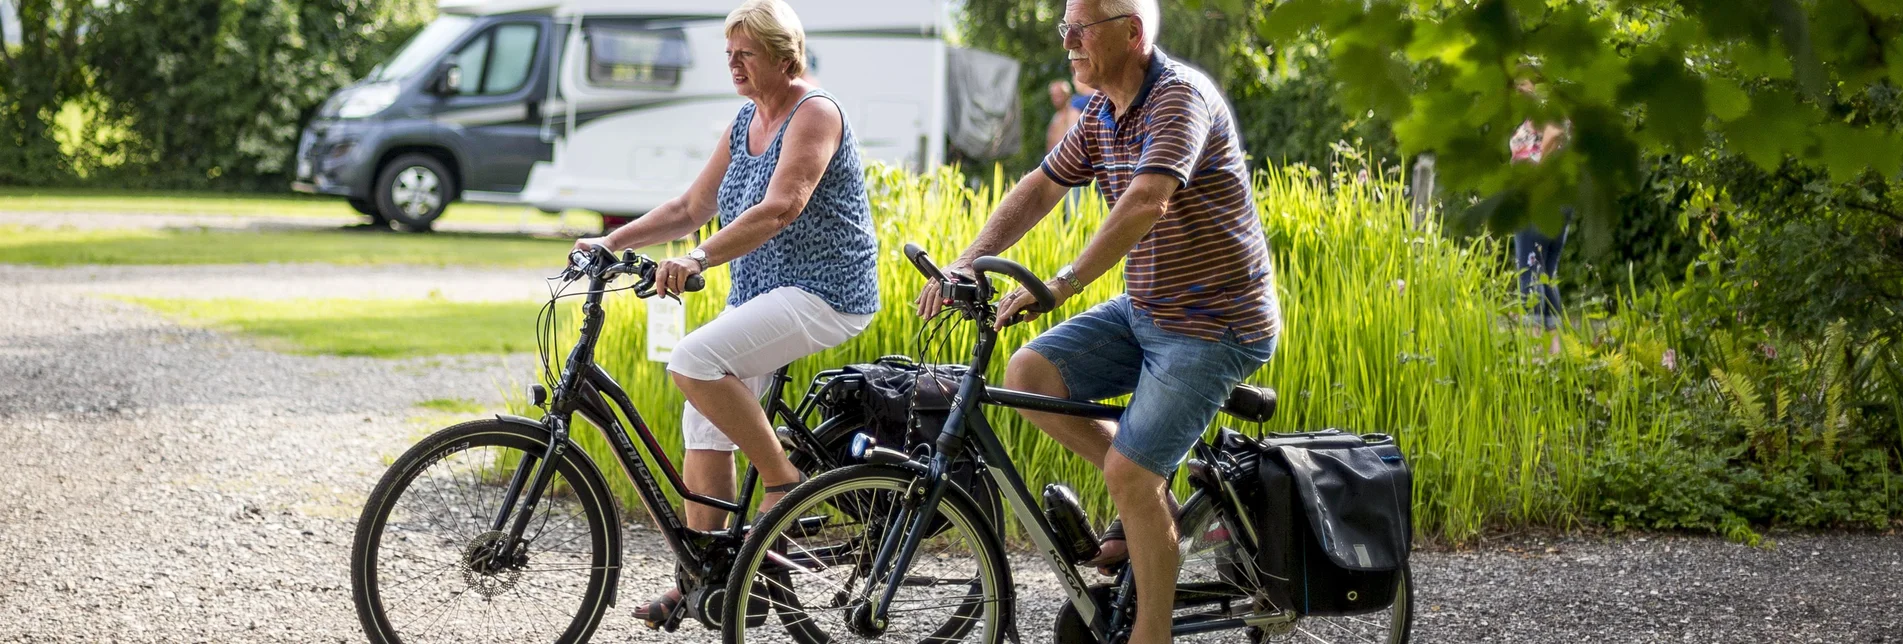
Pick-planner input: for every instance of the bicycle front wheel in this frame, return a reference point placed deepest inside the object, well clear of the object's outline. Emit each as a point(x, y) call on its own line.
point(809, 561)
point(423, 565)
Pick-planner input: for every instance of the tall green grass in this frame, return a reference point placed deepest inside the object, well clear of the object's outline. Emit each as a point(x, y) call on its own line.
point(1387, 329)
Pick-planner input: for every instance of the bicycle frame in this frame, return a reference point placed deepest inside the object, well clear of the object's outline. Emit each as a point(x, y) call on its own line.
point(967, 423)
point(586, 389)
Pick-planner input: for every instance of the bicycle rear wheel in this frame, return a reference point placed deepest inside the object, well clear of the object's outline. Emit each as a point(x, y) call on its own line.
point(421, 566)
point(811, 558)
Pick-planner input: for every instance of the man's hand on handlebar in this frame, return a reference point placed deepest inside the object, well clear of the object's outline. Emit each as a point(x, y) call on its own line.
point(931, 299)
point(1017, 305)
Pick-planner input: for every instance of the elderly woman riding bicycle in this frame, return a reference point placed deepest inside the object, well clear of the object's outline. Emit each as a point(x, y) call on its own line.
point(796, 226)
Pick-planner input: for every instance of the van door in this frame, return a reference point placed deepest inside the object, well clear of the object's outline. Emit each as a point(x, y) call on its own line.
point(497, 110)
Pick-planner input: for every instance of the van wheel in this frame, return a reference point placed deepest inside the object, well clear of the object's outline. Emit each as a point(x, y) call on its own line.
point(413, 190)
point(369, 207)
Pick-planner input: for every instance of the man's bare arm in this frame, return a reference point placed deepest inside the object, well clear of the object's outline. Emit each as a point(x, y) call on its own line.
point(1136, 212)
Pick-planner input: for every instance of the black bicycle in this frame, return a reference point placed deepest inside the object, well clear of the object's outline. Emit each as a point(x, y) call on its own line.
point(890, 549)
point(503, 529)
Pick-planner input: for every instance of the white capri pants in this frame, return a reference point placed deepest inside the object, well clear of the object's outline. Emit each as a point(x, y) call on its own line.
point(750, 342)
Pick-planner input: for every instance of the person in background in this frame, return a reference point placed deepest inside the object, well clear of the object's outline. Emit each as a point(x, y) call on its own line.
point(796, 224)
point(1066, 116)
point(1070, 110)
point(1535, 254)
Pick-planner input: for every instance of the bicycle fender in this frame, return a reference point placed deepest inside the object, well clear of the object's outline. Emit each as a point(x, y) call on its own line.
point(594, 477)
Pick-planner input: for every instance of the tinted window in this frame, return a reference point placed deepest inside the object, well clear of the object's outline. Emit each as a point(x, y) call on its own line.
point(636, 58)
point(510, 58)
point(470, 60)
point(499, 60)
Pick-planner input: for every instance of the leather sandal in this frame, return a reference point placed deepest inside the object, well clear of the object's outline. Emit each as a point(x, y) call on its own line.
point(1114, 532)
point(657, 612)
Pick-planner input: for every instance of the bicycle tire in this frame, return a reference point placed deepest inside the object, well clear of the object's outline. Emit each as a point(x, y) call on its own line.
point(578, 481)
point(956, 510)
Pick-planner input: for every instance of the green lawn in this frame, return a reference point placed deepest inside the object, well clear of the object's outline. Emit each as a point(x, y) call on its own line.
point(247, 204)
point(375, 328)
point(64, 247)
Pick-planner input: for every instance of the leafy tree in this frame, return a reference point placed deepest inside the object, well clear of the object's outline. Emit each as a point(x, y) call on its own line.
point(1764, 79)
point(36, 79)
point(219, 88)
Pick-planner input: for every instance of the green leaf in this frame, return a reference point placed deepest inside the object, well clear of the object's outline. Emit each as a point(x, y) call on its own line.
point(1775, 127)
point(1674, 100)
point(1726, 99)
point(1295, 17)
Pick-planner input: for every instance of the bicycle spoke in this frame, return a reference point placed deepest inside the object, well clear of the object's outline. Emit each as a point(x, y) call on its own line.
point(441, 585)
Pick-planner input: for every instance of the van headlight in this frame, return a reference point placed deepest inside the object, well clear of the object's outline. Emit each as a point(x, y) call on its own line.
point(368, 100)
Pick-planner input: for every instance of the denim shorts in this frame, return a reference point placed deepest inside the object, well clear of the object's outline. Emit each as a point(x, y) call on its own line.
point(1177, 382)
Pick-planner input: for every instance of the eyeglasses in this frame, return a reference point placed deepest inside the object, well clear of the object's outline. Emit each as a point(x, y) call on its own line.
point(1065, 29)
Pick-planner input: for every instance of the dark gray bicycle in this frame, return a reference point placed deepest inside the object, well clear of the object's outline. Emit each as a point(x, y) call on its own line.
point(893, 550)
point(503, 529)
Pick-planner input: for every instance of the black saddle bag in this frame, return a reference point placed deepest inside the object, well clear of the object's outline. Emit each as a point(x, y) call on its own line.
point(906, 404)
point(903, 403)
point(1332, 512)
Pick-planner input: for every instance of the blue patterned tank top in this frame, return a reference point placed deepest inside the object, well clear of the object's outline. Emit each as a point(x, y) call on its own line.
point(829, 250)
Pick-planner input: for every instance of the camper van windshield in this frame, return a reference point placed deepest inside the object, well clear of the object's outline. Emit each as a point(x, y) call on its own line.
point(424, 47)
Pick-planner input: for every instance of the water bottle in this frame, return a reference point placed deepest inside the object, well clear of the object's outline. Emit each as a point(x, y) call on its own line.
point(1074, 535)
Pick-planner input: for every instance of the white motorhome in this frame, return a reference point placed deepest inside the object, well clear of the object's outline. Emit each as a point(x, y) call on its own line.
point(604, 105)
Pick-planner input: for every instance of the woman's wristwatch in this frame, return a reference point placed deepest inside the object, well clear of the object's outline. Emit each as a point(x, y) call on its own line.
point(698, 255)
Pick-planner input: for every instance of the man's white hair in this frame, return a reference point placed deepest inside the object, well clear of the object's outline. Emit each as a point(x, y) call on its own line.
point(1145, 10)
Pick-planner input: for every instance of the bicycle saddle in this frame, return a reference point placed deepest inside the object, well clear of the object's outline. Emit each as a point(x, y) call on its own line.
point(1251, 403)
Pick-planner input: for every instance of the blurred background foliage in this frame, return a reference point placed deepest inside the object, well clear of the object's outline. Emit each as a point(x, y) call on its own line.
point(200, 94)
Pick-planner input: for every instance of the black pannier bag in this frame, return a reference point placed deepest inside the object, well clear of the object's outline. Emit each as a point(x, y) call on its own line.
point(1333, 513)
point(906, 404)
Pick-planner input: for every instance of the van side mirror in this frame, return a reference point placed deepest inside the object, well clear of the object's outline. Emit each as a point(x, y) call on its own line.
point(449, 80)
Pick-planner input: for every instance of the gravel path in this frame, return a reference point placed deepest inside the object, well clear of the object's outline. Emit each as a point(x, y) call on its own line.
point(173, 485)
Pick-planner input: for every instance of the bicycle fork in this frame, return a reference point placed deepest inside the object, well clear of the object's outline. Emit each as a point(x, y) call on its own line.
point(535, 472)
point(895, 555)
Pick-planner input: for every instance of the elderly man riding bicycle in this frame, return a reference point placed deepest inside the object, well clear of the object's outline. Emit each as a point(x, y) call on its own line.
point(1200, 314)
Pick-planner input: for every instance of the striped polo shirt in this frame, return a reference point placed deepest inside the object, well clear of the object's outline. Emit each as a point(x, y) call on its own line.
point(1204, 268)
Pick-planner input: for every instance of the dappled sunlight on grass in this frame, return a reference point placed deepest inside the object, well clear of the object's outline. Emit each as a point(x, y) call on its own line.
point(251, 204)
point(66, 247)
point(374, 328)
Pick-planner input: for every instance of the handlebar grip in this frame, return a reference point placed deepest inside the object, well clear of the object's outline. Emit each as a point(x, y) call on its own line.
point(1024, 277)
point(923, 262)
point(694, 283)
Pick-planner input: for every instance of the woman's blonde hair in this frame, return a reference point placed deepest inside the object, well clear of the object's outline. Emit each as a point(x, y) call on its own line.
point(774, 24)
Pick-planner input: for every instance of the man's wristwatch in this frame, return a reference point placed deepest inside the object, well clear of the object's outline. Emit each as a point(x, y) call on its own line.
point(698, 255)
point(1068, 275)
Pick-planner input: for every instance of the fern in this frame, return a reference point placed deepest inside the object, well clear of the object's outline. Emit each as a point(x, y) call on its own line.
point(1746, 405)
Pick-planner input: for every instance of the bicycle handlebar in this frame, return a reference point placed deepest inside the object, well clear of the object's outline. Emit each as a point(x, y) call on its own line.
point(599, 263)
point(989, 264)
point(1024, 277)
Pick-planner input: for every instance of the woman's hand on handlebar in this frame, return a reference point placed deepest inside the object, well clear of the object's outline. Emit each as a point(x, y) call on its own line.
point(1015, 306)
point(670, 277)
point(586, 243)
point(931, 299)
